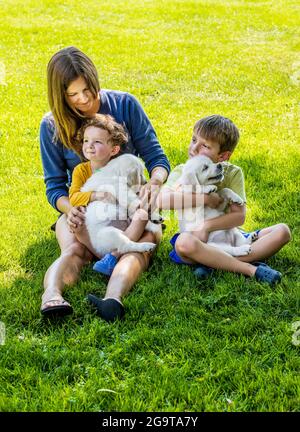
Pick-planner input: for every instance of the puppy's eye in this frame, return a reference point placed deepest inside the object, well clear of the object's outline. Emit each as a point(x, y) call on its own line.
point(205, 167)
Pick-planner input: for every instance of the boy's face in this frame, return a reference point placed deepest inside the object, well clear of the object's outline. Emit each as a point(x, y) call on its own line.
point(96, 145)
point(201, 146)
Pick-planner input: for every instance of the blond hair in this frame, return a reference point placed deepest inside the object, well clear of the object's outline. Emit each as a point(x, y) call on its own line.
point(220, 130)
point(64, 67)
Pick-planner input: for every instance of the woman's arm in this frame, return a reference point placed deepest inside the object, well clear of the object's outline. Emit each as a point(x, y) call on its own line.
point(144, 138)
point(54, 165)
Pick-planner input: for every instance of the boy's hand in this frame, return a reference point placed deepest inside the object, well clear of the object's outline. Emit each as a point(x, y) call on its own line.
point(106, 197)
point(75, 217)
point(213, 200)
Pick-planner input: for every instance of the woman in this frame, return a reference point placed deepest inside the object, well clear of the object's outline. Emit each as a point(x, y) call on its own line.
point(74, 94)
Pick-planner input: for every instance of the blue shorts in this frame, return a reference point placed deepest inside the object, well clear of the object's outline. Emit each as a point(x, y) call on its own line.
point(176, 258)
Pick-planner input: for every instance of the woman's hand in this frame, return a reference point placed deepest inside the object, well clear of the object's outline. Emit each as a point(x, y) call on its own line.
point(148, 195)
point(75, 218)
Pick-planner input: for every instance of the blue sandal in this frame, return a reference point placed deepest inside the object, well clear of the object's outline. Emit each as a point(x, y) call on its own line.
point(265, 273)
point(202, 271)
point(106, 265)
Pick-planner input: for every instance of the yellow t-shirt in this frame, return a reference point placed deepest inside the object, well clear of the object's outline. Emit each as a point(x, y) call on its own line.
point(81, 173)
point(233, 179)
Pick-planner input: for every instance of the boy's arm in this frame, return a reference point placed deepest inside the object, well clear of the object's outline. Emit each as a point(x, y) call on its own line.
point(236, 217)
point(78, 198)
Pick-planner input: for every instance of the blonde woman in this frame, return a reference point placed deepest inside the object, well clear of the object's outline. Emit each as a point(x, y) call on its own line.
point(74, 94)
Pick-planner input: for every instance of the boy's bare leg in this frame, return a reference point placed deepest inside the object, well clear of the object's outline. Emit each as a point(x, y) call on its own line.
point(270, 240)
point(66, 269)
point(136, 228)
point(193, 251)
point(129, 268)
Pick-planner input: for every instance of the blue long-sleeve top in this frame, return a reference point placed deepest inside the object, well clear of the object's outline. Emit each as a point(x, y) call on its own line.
point(59, 162)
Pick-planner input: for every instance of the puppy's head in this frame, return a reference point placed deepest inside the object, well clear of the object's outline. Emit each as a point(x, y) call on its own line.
point(131, 168)
point(200, 170)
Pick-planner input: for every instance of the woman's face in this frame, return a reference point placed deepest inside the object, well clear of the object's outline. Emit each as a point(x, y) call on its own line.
point(80, 97)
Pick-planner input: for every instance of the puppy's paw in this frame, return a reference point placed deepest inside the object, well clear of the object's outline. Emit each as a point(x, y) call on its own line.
point(253, 236)
point(148, 247)
point(209, 189)
point(237, 200)
point(231, 196)
point(243, 250)
point(156, 218)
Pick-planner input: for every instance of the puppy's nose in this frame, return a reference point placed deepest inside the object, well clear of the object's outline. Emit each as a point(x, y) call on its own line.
point(219, 166)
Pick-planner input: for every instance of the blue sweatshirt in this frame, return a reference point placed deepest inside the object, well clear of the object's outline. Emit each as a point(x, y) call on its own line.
point(59, 162)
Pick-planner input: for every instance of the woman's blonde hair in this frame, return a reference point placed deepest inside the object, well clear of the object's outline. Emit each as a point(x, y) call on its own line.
point(64, 67)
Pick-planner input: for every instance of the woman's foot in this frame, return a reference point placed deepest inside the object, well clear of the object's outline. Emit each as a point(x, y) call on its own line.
point(106, 265)
point(56, 307)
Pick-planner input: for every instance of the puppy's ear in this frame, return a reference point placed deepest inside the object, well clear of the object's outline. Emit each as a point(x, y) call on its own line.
point(132, 177)
point(190, 178)
point(143, 180)
point(189, 182)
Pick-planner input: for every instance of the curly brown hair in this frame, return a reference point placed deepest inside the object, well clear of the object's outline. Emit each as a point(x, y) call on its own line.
point(117, 133)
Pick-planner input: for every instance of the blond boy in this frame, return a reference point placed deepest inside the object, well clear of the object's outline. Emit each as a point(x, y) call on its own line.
point(216, 137)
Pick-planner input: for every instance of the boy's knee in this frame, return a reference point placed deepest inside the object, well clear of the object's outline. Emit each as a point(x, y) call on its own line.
point(185, 244)
point(285, 232)
point(140, 214)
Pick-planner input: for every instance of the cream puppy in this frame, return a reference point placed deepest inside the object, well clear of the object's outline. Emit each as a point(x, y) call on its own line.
point(122, 177)
point(200, 175)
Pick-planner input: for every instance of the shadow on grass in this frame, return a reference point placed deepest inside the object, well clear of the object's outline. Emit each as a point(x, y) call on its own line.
point(268, 186)
point(22, 299)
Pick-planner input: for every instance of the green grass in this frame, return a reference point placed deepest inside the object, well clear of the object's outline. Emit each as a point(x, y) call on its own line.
point(220, 345)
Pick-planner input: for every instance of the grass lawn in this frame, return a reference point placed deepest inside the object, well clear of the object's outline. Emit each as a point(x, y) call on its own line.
point(220, 345)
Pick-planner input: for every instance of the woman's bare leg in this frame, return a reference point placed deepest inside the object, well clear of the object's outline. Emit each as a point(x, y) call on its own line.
point(66, 269)
point(82, 235)
point(124, 275)
point(129, 268)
